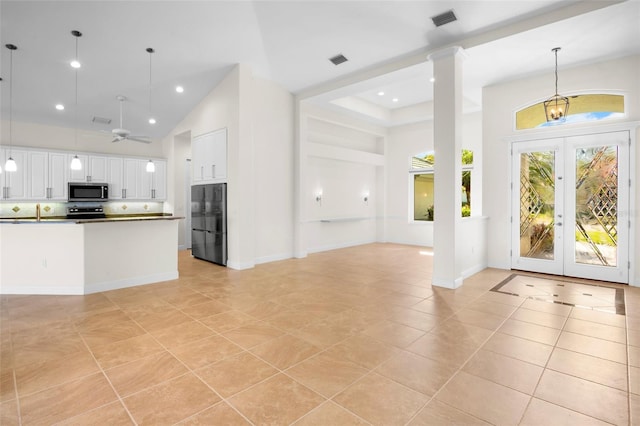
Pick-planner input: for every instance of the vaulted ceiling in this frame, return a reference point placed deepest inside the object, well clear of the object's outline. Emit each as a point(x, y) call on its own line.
point(197, 43)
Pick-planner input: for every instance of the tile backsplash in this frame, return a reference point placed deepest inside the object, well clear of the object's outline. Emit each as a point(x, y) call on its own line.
point(10, 210)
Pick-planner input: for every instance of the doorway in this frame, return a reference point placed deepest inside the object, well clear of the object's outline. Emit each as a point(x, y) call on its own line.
point(570, 206)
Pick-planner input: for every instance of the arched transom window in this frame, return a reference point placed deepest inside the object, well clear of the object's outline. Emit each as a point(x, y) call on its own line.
point(590, 107)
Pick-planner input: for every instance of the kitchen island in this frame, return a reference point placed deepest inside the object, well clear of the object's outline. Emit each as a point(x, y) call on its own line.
point(83, 256)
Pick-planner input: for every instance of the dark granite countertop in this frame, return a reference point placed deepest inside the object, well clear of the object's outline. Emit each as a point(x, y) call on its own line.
point(122, 218)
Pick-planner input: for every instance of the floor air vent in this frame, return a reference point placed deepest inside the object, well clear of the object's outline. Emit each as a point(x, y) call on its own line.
point(444, 18)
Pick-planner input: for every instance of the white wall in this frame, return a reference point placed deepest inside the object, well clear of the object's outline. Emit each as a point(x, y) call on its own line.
point(258, 116)
point(273, 178)
point(52, 137)
point(405, 142)
point(499, 105)
point(344, 158)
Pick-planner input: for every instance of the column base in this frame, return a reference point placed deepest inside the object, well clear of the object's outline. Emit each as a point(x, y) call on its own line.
point(447, 283)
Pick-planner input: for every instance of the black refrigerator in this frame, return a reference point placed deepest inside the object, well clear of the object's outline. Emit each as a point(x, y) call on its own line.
point(209, 222)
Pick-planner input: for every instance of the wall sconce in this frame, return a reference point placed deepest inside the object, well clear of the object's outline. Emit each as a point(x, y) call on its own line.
point(319, 197)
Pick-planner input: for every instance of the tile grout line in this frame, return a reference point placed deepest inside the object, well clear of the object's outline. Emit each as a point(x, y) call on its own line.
point(15, 390)
point(544, 368)
point(104, 374)
point(193, 372)
point(464, 364)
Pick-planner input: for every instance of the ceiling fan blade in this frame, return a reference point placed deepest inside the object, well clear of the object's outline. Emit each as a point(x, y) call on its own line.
point(137, 139)
point(117, 139)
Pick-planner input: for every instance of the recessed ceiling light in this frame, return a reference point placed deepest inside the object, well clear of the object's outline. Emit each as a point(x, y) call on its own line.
point(59, 107)
point(395, 99)
point(380, 93)
point(179, 89)
point(152, 120)
point(75, 64)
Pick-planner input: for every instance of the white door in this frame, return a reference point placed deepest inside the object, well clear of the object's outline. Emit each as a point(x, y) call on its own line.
point(570, 204)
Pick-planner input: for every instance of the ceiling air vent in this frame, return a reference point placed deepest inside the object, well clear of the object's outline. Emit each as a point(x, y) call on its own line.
point(338, 59)
point(101, 120)
point(444, 18)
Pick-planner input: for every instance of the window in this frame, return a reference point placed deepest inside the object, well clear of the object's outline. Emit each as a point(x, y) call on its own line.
point(592, 107)
point(421, 174)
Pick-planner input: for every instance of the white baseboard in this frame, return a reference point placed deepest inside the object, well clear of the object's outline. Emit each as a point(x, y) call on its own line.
point(43, 289)
point(130, 282)
point(473, 270)
point(273, 258)
point(328, 247)
point(240, 265)
point(78, 290)
point(445, 283)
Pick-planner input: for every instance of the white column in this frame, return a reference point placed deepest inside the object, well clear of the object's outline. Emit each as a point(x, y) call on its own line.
point(447, 125)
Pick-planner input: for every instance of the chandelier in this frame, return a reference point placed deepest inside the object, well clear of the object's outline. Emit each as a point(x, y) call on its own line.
point(556, 107)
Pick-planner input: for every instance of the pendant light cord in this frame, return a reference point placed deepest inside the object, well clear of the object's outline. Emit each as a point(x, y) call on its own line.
point(75, 108)
point(556, 51)
point(11, 49)
point(150, 51)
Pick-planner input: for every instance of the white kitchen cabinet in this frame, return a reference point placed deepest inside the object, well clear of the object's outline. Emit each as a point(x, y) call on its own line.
point(59, 166)
point(159, 181)
point(47, 177)
point(44, 175)
point(115, 177)
point(152, 185)
point(209, 157)
point(94, 169)
point(130, 176)
point(14, 184)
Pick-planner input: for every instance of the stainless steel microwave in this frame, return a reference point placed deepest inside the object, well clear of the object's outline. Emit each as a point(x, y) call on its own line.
point(88, 191)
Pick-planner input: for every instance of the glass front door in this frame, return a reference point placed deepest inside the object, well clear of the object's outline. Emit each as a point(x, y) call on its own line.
point(570, 198)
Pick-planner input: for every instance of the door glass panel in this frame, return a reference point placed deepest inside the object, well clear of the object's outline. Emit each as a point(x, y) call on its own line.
point(596, 236)
point(537, 204)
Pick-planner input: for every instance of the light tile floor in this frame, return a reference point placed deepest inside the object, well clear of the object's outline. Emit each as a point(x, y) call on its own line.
point(352, 336)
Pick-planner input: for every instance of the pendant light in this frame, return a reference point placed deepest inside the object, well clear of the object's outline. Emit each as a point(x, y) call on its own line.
point(10, 165)
point(151, 119)
point(151, 167)
point(556, 107)
point(76, 164)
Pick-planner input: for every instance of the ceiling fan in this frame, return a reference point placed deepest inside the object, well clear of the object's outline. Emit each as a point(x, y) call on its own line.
point(121, 133)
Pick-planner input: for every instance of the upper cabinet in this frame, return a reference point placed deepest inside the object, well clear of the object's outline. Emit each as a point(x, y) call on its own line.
point(48, 175)
point(94, 169)
point(115, 177)
point(209, 157)
point(44, 175)
point(139, 184)
point(14, 184)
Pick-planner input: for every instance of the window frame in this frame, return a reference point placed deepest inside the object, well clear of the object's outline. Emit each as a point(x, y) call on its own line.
point(425, 171)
